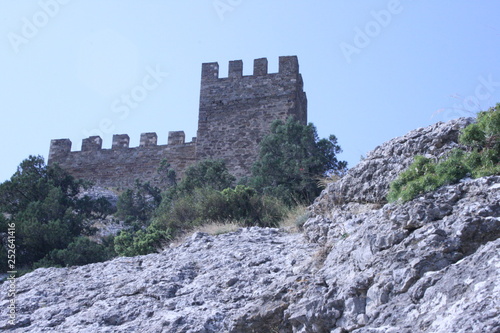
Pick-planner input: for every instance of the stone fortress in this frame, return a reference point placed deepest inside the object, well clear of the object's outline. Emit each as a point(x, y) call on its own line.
point(235, 114)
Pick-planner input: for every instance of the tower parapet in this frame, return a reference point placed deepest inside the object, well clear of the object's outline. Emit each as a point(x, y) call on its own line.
point(176, 138)
point(235, 69)
point(209, 71)
point(260, 67)
point(289, 66)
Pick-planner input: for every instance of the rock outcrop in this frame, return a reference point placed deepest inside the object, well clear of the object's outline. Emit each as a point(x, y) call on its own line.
point(361, 265)
point(429, 265)
point(208, 284)
point(368, 182)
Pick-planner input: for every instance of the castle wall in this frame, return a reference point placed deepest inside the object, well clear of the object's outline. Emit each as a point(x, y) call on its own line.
point(120, 166)
point(236, 112)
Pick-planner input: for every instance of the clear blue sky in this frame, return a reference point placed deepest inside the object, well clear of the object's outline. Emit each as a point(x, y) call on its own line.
point(372, 70)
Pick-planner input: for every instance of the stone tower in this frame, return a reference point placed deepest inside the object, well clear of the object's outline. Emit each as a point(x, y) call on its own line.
point(236, 112)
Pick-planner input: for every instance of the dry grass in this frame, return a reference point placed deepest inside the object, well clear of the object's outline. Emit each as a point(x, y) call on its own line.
point(212, 228)
point(292, 222)
point(321, 255)
point(218, 228)
point(323, 182)
point(295, 219)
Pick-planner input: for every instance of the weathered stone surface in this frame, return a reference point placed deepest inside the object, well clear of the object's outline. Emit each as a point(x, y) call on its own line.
point(97, 192)
point(234, 282)
point(363, 266)
point(368, 182)
point(413, 267)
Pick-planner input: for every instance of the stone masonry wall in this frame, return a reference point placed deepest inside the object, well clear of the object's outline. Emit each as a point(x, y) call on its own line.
point(235, 114)
point(120, 166)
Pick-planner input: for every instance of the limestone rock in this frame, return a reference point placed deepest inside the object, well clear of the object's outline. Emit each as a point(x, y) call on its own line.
point(97, 192)
point(368, 182)
point(233, 282)
point(427, 265)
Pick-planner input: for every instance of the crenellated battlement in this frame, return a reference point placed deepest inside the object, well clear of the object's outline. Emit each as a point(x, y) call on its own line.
point(149, 139)
point(120, 141)
point(62, 147)
point(235, 114)
point(59, 148)
point(288, 66)
point(121, 165)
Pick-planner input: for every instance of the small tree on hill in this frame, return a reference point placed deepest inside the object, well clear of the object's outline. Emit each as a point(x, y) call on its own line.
point(291, 160)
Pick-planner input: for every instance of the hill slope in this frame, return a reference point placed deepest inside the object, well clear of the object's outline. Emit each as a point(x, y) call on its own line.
point(361, 265)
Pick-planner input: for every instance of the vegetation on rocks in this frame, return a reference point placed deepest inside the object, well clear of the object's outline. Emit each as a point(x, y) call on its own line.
point(53, 221)
point(291, 161)
point(138, 204)
point(203, 196)
point(481, 157)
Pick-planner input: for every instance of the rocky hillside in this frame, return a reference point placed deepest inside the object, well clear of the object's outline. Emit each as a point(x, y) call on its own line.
point(361, 265)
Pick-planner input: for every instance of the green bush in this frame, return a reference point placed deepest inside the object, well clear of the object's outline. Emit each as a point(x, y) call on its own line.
point(191, 209)
point(207, 173)
point(245, 205)
point(196, 199)
point(453, 168)
point(141, 242)
point(242, 204)
point(124, 244)
point(81, 251)
point(481, 158)
point(485, 133)
point(239, 203)
point(489, 164)
point(410, 183)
